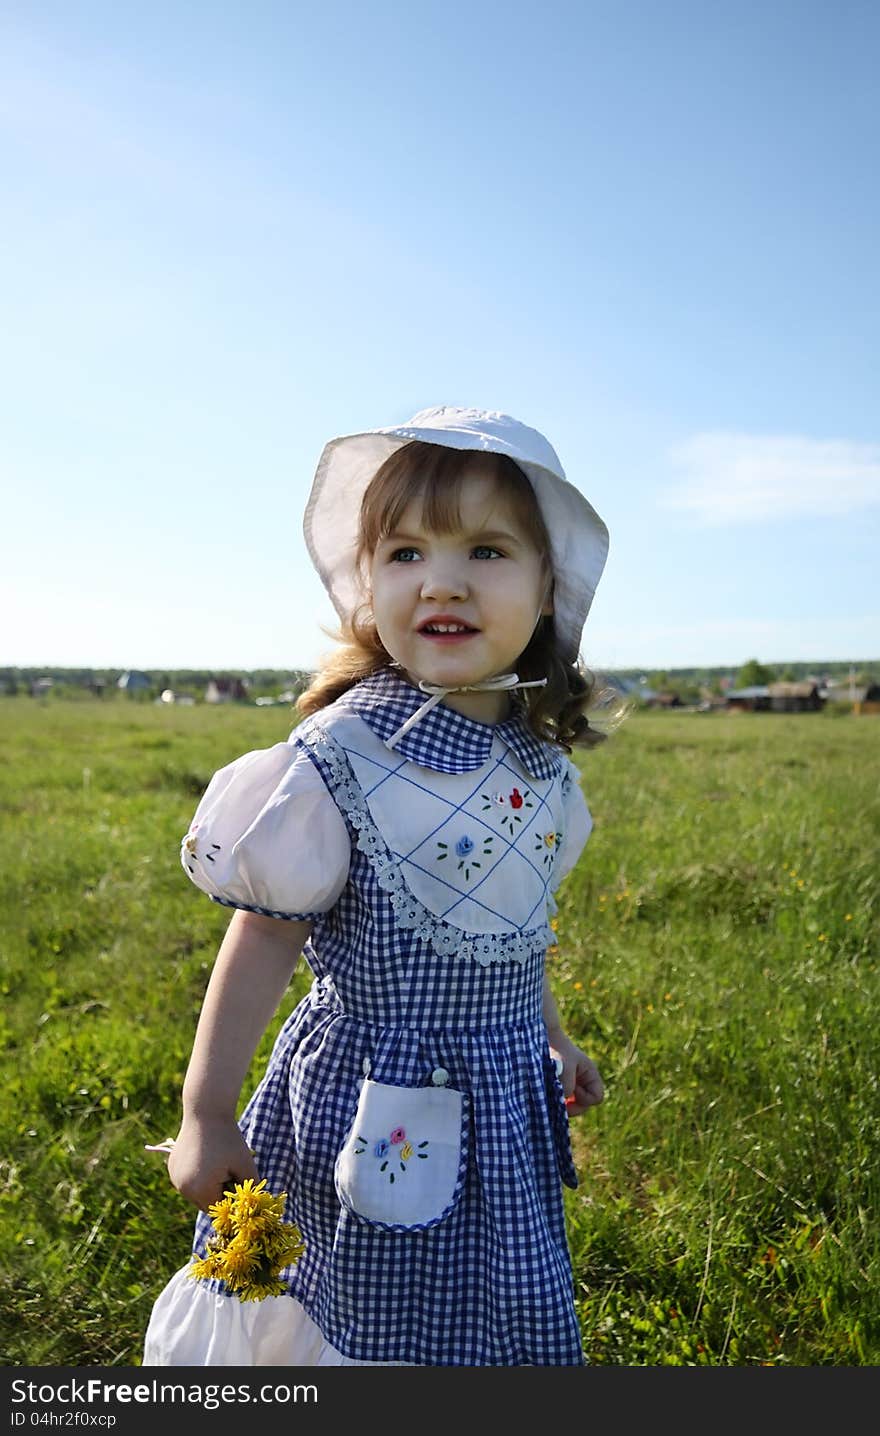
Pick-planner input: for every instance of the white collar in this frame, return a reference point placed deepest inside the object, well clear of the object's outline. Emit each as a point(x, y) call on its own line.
point(443, 739)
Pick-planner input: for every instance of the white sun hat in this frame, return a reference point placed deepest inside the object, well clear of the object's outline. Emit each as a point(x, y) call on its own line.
point(578, 537)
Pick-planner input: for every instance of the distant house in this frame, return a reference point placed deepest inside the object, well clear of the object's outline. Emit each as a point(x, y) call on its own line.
point(226, 690)
point(40, 687)
point(871, 701)
point(864, 697)
point(845, 692)
point(780, 697)
point(800, 697)
point(749, 700)
point(133, 681)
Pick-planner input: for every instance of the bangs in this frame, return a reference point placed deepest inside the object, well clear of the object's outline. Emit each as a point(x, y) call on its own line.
point(434, 474)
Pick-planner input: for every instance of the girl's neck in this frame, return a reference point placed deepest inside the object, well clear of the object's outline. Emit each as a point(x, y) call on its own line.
point(490, 708)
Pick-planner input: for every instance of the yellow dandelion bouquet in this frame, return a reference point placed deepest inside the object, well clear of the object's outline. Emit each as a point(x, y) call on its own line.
point(251, 1244)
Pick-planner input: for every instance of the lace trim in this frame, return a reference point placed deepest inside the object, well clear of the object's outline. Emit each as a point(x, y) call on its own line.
point(411, 914)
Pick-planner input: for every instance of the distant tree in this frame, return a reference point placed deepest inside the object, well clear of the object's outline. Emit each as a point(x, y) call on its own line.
point(753, 674)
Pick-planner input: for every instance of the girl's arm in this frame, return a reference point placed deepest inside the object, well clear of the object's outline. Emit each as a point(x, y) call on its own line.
point(254, 965)
point(580, 1075)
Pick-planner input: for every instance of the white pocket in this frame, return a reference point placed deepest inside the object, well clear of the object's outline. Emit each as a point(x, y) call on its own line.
point(403, 1163)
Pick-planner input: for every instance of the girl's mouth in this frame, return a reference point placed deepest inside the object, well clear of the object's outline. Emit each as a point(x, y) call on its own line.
point(447, 633)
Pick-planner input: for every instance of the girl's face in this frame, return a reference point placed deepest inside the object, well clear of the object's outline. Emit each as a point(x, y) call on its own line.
point(486, 579)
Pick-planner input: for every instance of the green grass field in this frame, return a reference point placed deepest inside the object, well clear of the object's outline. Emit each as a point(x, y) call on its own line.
point(717, 955)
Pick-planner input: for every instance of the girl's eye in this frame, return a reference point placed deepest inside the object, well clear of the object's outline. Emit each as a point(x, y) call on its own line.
point(485, 548)
point(399, 555)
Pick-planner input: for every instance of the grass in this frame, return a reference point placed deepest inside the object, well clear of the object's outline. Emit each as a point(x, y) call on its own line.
point(717, 955)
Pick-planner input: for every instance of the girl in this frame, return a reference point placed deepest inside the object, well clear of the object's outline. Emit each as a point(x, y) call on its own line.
point(408, 838)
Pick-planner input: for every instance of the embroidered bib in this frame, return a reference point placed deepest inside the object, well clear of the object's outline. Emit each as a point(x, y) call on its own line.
point(474, 850)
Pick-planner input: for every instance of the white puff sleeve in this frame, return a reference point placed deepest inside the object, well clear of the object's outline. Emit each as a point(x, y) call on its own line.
point(267, 836)
point(577, 824)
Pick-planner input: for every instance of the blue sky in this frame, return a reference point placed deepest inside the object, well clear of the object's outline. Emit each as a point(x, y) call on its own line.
point(232, 232)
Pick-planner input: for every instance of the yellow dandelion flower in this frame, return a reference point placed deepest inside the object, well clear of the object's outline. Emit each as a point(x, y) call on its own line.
point(221, 1215)
point(252, 1200)
point(577, 986)
point(848, 917)
point(238, 1261)
point(206, 1268)
point(822, 937)
point(254, 1229)
point(554, 924)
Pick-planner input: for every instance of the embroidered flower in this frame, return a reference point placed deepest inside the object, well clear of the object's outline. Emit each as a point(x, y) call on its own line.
point(493, 800)
point(464, 848)
point(190, 841)
point(515, 799)
point(399, 1156)
point(545, 845)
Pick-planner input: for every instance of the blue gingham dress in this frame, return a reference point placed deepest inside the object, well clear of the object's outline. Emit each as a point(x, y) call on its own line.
point(431, 957)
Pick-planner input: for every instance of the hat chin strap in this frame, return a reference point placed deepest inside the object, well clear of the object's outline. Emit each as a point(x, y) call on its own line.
point(498, 684)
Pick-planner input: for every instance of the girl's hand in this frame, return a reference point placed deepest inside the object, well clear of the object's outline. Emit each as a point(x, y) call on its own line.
point(581, 1083)
point(209, 1155)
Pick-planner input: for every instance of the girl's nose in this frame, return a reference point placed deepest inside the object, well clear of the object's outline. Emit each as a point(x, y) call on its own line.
point(442, 580)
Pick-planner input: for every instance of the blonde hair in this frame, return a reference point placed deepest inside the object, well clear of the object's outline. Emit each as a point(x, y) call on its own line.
point(556, 713)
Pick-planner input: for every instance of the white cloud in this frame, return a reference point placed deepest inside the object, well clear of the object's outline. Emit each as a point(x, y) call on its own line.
point(738, 478)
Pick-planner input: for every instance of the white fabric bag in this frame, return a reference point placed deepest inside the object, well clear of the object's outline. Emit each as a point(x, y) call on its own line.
point(403, 1163)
